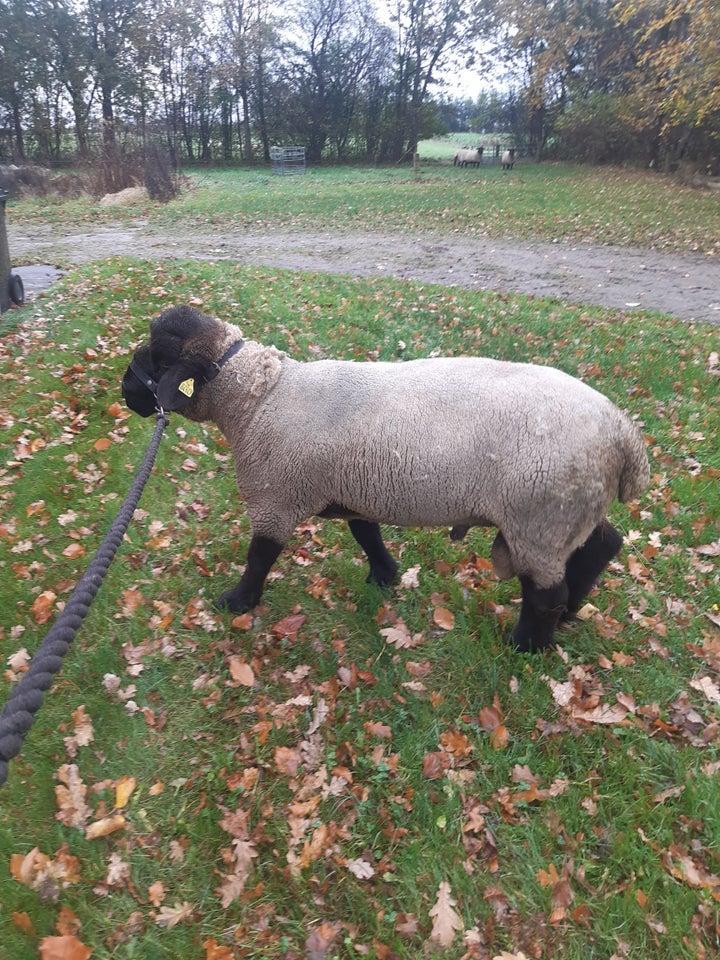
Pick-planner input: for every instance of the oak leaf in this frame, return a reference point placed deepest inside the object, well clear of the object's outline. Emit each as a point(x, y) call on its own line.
point(169, 917)
point(70, 795)
point(361, 869)
point(446, 920)
point(399, 636)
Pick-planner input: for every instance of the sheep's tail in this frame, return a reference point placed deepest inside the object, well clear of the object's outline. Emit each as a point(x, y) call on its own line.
point(635, 474)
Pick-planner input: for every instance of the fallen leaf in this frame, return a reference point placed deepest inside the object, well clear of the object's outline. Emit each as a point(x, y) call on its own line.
point(435, 764)
point(74, 551)
point(169, 917)
point(287, 760)
point(398, 635)
point(446, 920)
point(216, 951)
point(124, 788)
point(289, 626)
point(241, 672)
point(443, 618)
point(42, 607)
point(70, 795)
point(104, 827)
point(64, 948)
point(361, 869)
point(23, 922)
point(409, 579)
point(68, 923)
point(102, 444)
point(708, 687)
point(320, 941)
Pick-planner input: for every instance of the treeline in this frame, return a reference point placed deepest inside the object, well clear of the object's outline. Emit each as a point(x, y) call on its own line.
point(595, 80)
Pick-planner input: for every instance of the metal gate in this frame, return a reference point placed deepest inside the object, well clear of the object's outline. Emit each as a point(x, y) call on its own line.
point(286, 160)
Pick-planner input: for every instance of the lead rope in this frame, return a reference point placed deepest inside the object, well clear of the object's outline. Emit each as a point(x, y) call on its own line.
point(27, 696)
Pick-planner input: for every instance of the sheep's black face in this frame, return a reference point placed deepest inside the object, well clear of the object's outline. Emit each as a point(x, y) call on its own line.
point(139, 385)
point(168, 372)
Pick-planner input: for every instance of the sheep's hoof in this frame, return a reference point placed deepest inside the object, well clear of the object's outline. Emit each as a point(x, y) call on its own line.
point(236, 601)
point(525, 642)
point(383, 575)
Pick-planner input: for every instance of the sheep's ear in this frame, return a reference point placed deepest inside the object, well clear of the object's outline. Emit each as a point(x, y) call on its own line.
point(178, 386)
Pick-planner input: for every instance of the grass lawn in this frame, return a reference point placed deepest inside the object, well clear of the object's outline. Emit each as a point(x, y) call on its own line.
point(296, 782)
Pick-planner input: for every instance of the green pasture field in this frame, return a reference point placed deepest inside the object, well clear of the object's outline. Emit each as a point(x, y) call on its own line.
point(547, 201)
point(350, 772)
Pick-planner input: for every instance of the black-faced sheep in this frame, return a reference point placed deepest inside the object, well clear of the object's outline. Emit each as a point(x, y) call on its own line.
point(468, 158)
point(457, 442)
point(508, 159)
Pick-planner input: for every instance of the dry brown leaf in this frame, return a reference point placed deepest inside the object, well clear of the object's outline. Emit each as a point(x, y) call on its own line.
point(104, 827)
point(241, 672)
point(170, 916)
point(217, 951)
point(124, 788)
point(320, 941)
point(409, 579)
point(64, 948)
point(435, 764)
point(70, 795)
point(398, 635)
point(23, 922)
point(289, 626)
point(446, 920)
point(287, 760)
point(156, 893)
point(67, 923)
point(708, 687)
point(443, 618)
point(84, 733)
point(42, 607)
point(361, 869)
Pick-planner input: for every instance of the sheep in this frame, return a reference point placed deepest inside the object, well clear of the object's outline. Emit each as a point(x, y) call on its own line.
point(508, 159)
point(464, 158)
point(456, 442)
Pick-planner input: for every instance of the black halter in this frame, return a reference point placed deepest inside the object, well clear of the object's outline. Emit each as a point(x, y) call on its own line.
point(216, 366)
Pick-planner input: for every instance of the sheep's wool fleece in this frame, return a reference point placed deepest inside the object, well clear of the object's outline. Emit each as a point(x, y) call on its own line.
point(457, 442)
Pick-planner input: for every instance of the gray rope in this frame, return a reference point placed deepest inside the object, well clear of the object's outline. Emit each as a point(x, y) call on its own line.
point(27, 696)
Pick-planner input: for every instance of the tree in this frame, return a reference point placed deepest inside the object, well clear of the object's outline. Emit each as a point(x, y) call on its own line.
point(427, 33)
point(675, 86)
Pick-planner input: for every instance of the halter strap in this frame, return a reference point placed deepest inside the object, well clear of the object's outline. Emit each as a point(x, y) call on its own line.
point(152, 385)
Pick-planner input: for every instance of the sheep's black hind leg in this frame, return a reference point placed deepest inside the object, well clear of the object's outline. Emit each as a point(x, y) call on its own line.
point(587, 563)
point(262, 554)
point(383, 568)
point(539, 615)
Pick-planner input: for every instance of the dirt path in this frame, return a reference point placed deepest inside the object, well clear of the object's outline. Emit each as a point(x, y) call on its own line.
point(685, 286)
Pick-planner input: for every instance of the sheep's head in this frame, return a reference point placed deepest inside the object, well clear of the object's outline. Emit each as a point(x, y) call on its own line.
point(184, 352)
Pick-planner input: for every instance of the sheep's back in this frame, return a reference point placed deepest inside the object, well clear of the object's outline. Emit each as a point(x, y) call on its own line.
point(444, 441)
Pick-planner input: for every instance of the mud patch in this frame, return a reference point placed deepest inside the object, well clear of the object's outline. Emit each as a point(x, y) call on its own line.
point(682, 285)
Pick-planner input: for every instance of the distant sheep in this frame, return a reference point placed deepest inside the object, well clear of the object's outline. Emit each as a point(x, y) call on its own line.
point(508, 159)
point(456, 442)
point(468, 158)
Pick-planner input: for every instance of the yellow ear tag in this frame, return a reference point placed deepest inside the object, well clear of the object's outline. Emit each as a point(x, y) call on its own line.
point(187, 387)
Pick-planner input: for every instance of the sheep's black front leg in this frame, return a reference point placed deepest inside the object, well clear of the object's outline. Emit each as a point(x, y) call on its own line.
point(539, 615)
point(383, 568)
point(588, 562)
point(262, 554)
